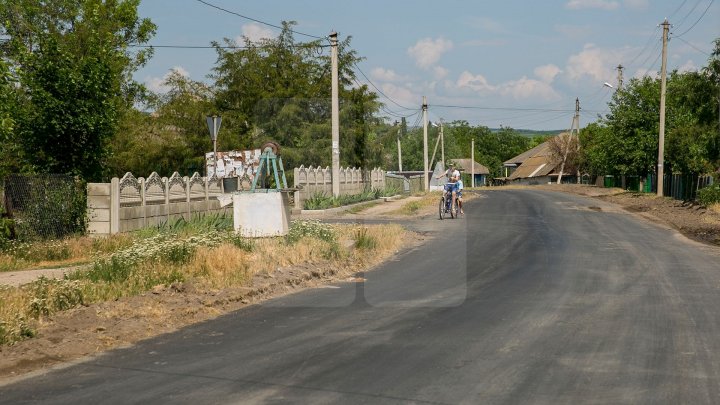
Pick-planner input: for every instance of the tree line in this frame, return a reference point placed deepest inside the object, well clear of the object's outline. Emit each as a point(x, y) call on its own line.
point(69, 104)
point(625, 141)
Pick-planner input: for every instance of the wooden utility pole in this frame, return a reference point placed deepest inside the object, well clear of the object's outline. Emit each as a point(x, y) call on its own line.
point(399, 135)
point(442, 142)
point(663, 83)
point(472, 163)
point(574, 128)
point(426, 185)
point(335, 112)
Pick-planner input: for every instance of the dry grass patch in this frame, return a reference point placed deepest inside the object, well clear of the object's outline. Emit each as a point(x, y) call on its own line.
point(715, 208)
point(418, 205)
point(205, 262)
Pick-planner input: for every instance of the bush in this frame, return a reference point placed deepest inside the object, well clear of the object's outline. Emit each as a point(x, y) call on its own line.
point(47, 207)
point(52, 295)
point(709, 195)
point(315, 229)
point(363, 240)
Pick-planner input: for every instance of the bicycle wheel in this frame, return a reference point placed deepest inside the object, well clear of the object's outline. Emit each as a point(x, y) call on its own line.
point(442, 208)
point(453, 210)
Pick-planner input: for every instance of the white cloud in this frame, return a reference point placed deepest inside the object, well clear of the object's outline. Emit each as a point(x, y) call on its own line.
point(157, 84)
point(402, 95)
point(440, 72)
point(593, 62)
point(688, 66)
point(427, 52)
point(255, 33)
point(599, 4)
point(385, 75)
point(521, 89)
point(547, 73)
point(478, 83)
point(525, 88)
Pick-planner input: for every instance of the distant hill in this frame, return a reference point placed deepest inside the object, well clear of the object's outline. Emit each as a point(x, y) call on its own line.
point(531, 133)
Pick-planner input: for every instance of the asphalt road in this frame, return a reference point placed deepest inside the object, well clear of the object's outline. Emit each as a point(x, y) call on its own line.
point(534, 297)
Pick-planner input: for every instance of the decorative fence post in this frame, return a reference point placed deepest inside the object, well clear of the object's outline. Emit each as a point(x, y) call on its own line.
point(114, 205)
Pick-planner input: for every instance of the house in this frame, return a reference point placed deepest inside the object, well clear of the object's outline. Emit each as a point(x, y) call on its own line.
point(465, 166)
point(535, 166)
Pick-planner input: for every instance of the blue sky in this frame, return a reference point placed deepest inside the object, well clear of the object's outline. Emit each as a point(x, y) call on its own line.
point(509, 58)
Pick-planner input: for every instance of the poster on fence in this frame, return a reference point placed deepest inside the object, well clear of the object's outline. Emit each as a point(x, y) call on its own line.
point(235, 163)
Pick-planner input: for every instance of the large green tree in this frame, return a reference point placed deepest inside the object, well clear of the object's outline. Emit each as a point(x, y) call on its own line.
point(74, 60)
point(279, 89)
point(625, 141)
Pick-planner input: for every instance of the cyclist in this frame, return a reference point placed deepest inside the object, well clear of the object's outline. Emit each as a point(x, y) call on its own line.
point(453, 183)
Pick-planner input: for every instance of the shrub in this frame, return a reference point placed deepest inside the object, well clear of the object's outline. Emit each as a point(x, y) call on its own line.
point(316, 229)
point(709, 195)
point(363, 240)
point(50, 295)
point(47, 207)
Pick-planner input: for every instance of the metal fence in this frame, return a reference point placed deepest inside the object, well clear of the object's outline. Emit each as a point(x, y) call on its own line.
point(678, 186)
point(44, 206)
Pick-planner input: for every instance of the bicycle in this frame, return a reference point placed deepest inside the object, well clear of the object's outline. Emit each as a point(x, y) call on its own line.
point(446, 206)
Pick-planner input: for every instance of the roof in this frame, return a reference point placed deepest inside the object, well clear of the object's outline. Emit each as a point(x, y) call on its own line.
point(519, 159)
point(466, 164)
point(536, 162)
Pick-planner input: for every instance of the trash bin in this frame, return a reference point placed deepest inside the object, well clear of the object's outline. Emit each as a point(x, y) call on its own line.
point(609, 181)
point(230, 184)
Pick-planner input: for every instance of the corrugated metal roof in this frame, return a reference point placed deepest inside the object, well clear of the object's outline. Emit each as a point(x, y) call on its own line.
point(466, 164)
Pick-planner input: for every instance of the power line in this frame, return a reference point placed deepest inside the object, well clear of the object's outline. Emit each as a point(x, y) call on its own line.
point(692, 46)
point(652, 36)
point(256, 20)
point(688, 13)
point(378, 90)
point(677, 9)
point(697, 21)
point(221, 46)
point(499, 108)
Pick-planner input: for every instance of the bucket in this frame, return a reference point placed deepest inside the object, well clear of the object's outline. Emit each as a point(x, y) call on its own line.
point(230, 184)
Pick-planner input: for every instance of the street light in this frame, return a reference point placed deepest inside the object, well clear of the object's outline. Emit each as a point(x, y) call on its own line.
point(606, 84)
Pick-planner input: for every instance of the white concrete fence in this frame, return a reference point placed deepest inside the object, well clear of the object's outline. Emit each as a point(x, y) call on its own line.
point(131, 203)
point(319, 180)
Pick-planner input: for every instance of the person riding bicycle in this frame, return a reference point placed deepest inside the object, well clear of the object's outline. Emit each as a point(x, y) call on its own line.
point(454, 183)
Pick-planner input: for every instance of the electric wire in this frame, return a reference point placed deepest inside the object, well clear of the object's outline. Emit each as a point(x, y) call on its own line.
point(677, 9)
point(647, 44)
point(654, 52)
point(693, 46)
point(697, 21)
point(498, 108)
point(682, 21)
point(256, 20)
point(220, 46)
point(380, 91)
